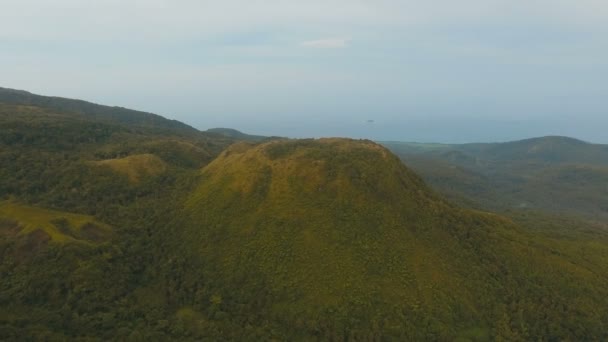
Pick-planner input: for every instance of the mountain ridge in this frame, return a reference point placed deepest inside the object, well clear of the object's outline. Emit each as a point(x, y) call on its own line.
point(123, 116)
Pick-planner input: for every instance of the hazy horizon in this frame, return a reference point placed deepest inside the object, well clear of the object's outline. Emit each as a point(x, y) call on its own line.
point(418, 129)
point(472, 71)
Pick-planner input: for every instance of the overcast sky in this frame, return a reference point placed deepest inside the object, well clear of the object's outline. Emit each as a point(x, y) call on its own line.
point(445, 71)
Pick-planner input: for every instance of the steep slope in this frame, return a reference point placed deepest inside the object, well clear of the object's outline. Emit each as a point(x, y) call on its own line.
point(335, 238)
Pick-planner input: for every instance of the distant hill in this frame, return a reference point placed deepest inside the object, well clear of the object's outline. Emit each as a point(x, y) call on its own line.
point(118, 115)
point(550, 149)
point(238, 135)
point(557, 174)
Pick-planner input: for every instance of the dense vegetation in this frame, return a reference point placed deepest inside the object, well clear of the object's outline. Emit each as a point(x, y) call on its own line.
point(68, 275)
point(109, 230)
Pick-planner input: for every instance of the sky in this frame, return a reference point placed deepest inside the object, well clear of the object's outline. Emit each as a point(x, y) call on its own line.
point(427, 71)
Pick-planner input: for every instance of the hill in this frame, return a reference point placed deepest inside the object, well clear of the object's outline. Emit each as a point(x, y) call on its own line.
point(235, 134)
point(335, 239)
point(51, 149)
point(554, 174)
point(550, 149)
point(82, 189)
point(91, 111)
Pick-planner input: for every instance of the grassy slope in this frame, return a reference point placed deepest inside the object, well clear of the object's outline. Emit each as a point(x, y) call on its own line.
point(32, 218)
point(135, 167)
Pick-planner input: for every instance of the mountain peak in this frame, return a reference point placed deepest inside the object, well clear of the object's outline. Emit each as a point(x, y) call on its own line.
point(326, 224)
point(326, 167)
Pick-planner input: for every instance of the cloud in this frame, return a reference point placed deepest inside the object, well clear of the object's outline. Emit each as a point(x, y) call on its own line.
point(156, 21)
point(328, 43)
point(504, 57)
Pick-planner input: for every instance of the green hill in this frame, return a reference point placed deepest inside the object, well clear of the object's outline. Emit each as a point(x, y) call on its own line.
point(335, 238)
point(50, 149)
point(552, 149)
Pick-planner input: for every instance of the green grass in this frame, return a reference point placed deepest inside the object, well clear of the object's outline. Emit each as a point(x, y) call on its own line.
point(51, 221)
point(136, 167)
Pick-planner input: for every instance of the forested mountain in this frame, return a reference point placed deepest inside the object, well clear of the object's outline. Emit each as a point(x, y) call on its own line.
point(122, 225)
point(336, 239)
